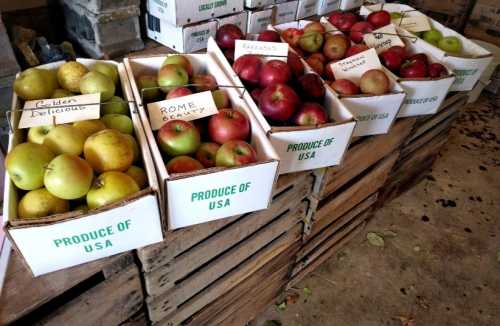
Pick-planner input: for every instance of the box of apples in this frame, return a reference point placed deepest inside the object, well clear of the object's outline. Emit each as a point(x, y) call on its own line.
point(307, 124)
point(364, 86)
point(212, 157)
point(467, 59)
point(80, 182)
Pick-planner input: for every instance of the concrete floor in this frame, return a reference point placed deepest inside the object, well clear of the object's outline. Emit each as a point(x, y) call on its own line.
point(440, 264)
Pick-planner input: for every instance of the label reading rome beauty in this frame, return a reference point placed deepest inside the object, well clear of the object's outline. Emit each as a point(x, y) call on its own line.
point(60, 110)
point(269, 50)
point(185, 108)
point(417, 23)
point(383, 38)
point(353, 67)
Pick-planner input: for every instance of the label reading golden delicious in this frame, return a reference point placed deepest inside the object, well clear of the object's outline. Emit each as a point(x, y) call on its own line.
point(416, 23)
point(383, 38)
point(187, 108)
point(60, 110)
point(269, 50)
point(352, 68)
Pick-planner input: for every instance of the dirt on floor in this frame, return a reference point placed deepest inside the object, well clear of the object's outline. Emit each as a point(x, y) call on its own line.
point(440, 260)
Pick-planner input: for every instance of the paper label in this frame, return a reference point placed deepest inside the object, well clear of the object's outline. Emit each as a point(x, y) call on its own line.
point(417, 23)
point(269, 50)
point(353, 67)
point(187, 108)
point(383, 38)
point(60, 110)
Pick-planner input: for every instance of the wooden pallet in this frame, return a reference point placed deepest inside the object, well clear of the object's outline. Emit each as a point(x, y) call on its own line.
point(103, 292)
point(422, 147)
point(196, 265)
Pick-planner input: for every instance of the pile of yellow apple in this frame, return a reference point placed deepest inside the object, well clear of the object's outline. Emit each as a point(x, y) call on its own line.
point(78, 166)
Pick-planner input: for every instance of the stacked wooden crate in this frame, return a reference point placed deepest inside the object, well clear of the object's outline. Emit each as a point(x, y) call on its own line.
point(201, 274)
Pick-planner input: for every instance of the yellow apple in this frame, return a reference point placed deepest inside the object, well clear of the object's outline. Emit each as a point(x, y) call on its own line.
point(135, 147)
point(119, 122)
point(110, 187)
point(40, 203)
point(139, 176)
point(68, 177)
point(37, 134)
point(115, 105)
point(65, 139)
point(108, 69)
point(108, 150)
point(96, 82)
point(89, 127)
point(61, 92)
point(69, 75)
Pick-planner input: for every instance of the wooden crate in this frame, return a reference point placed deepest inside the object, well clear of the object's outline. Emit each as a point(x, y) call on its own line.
point(103, 292)
point(422, 147)
point(196, 265)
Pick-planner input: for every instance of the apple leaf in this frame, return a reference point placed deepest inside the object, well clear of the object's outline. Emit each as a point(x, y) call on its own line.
point(375, 239)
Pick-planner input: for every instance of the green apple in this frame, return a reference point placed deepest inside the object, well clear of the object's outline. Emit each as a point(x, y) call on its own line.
point(108, 69)
point(171, 76)
point(33, 84)
point(135, 147)
point(65, 139)
point(68, 177)
point(96, 82)
point(61, 92)
point(115, 105)
point(311, 41)
point(450, 44)
point(178, 137)
point(108, 150)
point(26, 164)
point(89, 127)
point(139, 176)
point(109, 188)
point(40, 203)
point(432, 36)
point(146, 85)
point(37, 134)
point(119, 122)
point(221, 99)
point(69, 75)
point(181, 60)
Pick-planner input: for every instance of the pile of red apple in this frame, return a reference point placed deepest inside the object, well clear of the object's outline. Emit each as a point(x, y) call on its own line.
point(275, 85)
point(216, 141)
point(404, 65)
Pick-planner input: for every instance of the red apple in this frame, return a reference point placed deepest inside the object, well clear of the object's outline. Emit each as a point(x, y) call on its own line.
point(375, 82)
point(391, 59)
point(178, 92)
point(359, 29)
point(314, 26)
point(274, 72)
point(183, 164)
point(413, 69)
point(346, 22)
point(311, 86)
point(355, 49)
point(437, 70)
point(235, 153)
point(269, 36)
point(345, 87)
point(278, 102)
point(255, 94)
point(329, 75)
point(420, 57)
point(228, 125)
point(309, 114)
point(319, 56)
point(292, 36)
point(335, 47)
point(295, 64)
point(299, 51)
point(316, 65)
point(204, 83)
point(399, 50)
point(227, 34)
point(248, 68)
point(335, 17)
point(178, 137)
point(179, 59)
point(229, 54)
point(379, 18)
point(206, 154)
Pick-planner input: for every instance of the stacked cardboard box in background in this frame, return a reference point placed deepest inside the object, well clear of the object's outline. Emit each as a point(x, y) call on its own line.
point(261, 13)
point(104, 28)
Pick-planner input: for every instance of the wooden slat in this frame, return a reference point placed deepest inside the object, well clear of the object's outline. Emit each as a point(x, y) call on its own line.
point(161, 279)
point(366, 153)
point(22, 293)
point(230, 280)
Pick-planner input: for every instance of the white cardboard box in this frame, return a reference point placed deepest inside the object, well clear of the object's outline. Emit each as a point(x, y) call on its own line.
point(374, 114)
point(306, 8)
point(182, 12)
point(178, 190)
point(350, 4)
point(330, 140)
point(258, 3)
point(239, 19)
point(63, 240)
point(327, 6)
point(467, 68)
point(259, 19)
point(286, 11)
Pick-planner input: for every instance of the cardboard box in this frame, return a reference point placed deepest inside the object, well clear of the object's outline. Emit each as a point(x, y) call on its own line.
point(350, 4)
point(286, 11)
point(259, 19)
point(467, 68)
point(258, 3)
point(306, 8)
point(68, 238)
point(327, 6)
point(374, 114)
point(177, 190)
point(240, 19)
point(301, 147)
point(181, 12)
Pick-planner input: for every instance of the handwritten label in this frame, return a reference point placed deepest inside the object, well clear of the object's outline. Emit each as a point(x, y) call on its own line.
point(383, 38)
point(60, 110)
point(417, 23)
point(271, 50)
point(185, 108)
point(353, 67)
